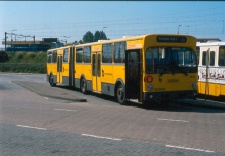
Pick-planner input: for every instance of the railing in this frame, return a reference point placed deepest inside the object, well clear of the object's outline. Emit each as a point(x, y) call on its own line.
point(23, 67)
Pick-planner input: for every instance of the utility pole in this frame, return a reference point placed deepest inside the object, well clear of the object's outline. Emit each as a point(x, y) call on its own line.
point(5, 41)
point(178, 29)
point(207, 73)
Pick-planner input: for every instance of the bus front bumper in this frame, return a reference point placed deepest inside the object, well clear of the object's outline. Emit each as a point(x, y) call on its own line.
point(159, 97)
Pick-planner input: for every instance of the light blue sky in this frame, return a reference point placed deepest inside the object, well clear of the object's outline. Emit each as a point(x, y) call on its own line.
point(127, 18)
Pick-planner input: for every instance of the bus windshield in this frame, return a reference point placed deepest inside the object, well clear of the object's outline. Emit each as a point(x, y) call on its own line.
point(166, 60)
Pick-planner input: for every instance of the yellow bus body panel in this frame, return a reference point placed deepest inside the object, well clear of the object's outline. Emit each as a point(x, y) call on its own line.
point(107, 73)
point(169, 82)
point(222, 89)
point(212, 89)
point(83, 69)
point(118, 72)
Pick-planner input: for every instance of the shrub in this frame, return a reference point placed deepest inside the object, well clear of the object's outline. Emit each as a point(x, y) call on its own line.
point(19, 56)
point(3, 56)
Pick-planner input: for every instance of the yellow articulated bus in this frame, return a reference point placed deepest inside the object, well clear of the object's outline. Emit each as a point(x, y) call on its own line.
point(149, 68)
point(211, 69)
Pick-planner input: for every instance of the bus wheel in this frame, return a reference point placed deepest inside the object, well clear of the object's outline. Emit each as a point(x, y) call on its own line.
point(120, 95)
point(83, 86)
point(51, 81)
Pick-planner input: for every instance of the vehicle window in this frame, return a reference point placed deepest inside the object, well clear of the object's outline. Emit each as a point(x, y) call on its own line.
point(222, 56)
point(87, 54)
point(79, 55)
point(119, 52)
point(107, 53)
point(170, 60)
point(204, 58)
point(54, 56)
point(49, 59)
point(212, 58)
point(65, 55)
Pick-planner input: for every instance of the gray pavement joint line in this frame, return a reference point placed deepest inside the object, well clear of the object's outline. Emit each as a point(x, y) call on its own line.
point(101, 137)
point(193, 149)
point(171, 120)
point(31, 127)
point(66, 110)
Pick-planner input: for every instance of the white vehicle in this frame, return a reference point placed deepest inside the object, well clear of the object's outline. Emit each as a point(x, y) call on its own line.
point(211, 68)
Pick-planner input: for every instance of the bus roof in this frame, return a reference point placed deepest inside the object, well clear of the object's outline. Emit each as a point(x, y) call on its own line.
point(125, 38)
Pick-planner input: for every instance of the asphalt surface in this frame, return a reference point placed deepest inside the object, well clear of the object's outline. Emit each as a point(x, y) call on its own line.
point(35, 125)
point(54, 92)
point(51, 92)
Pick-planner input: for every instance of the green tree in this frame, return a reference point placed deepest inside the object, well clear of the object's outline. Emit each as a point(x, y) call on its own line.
point(102, 36)
point(97, 36)
point(81, 42)
point(88, 37)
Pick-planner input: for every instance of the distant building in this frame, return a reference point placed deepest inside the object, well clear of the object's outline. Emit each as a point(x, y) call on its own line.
point(35, 45)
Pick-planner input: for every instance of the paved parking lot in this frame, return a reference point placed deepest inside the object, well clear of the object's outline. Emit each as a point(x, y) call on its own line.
point(38, 125)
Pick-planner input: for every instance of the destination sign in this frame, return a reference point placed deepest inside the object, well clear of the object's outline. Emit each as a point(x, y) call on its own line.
point(178, 39)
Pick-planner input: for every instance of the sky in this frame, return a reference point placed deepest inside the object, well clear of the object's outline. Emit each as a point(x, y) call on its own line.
point(70, 20)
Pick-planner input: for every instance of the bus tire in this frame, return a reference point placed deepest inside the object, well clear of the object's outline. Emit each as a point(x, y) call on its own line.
point(120, 94)
point(51, 81)
point(83, 86)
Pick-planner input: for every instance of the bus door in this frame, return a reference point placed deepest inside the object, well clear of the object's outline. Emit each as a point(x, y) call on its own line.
point(96, 72)
point(71, 67)
point(59, 69)
point(132, 74)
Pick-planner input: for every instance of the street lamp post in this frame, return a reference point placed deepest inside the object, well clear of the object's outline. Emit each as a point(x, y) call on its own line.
point(102, 32)
point(178, 28)
point(66, 38)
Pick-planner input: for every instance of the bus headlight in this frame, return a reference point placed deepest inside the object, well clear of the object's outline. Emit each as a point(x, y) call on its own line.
point(150, 87)
point(194, 85)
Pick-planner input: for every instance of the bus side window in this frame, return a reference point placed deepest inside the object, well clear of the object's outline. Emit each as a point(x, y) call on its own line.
point(107, 53)
point(119, 52)
point(54, 56)
point(221, 62)
point(49, 57)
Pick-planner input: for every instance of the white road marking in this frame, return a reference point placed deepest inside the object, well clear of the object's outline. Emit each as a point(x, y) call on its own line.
point(172, 120)
point(193, 149)
point(67, 110)
point(31, 127)
point(95, 136)
point(46, 97)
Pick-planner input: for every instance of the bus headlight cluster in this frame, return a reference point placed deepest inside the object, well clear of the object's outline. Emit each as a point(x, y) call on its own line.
point(194, 85)
point(150, 87)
